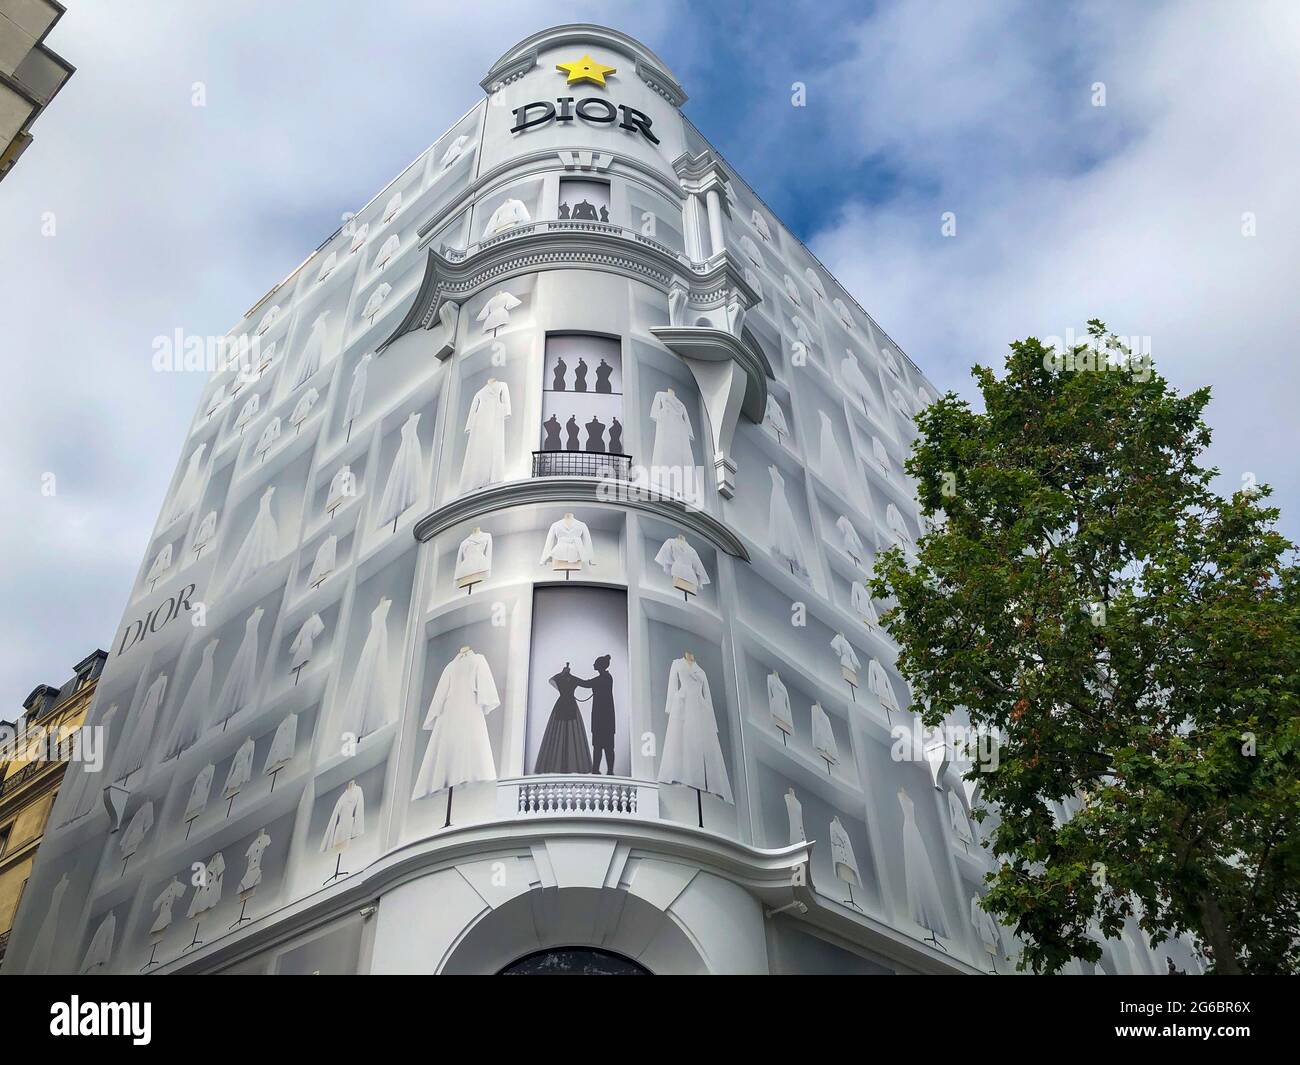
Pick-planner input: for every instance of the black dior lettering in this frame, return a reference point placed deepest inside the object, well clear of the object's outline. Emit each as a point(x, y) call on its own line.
point(565, 110)
point(606, 109)
point(637, 121)
point(523, 122)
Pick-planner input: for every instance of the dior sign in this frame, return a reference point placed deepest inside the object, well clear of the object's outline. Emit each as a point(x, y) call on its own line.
point(161, 615)
point(594, 109)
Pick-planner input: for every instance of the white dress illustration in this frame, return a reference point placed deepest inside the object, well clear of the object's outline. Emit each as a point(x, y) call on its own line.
point(834, 472)
point(845, 861)
point(406, 478)
point(101, 945)
point(312, 351)
point(855, 380)
point(357, 391)
point(784, 540)
point(359, 236)
point(881, 456)
point(241, 769)
point(187, 492)
point(474, 557)
point(960, 822)
point(842, 309)
point(206, 531)
point(164, 903)
point(485, 445)
point(136, 831)
point(343, 486)
point(137, 746)
point(922, 888)
point(568, 543)
point(240, 685)
point(778, 703)
point(459, 749)
point(792, 290)
point(760, 225)
point(891, 363)
point(496, 311)
point(268, 438)
point(985, 927)
point(248, 412)
point(393, 205)
point(801, 333)
point(283, 744)
point(454, 151)
point(751, 251)
point(323, 565)
point(347, 820)
point(682, 563)
point(692, 753)
point(387, 251)
point(510, 213)
point(300, 651)
point(327, 266)
point(261, 547)
point(268, 319)
point(862, 604)
point(38, 959)
point(898, 527)
point(376, 301)
point(369, 705)
point(672, 455)
point(302, 409)
point(823, 736)
point(253, 871)
point(199, 792)
point(192, 716)
point(218, 400)
point(794, 814)
point(774, 417)
point(814, 282)
point(852, 542)
point(208, 894)
point(161, 564)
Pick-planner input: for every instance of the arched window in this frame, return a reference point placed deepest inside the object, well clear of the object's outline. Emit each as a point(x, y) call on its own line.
point(574, 961)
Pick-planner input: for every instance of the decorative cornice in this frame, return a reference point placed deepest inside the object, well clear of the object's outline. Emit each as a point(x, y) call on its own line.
point(543, 490)
point(717, 345)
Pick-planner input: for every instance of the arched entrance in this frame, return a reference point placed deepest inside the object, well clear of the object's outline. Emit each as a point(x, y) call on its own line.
point(574, 961)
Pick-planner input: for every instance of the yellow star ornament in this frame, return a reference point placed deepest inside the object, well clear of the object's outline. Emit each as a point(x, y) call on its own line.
point(585, 69)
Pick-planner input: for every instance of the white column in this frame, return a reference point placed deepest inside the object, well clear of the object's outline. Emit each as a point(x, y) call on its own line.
point(715, 220)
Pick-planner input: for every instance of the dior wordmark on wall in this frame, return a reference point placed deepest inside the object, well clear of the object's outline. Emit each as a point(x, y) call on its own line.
point(594, 109)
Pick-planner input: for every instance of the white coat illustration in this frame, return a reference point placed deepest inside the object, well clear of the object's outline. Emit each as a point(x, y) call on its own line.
point(357, 390)
point(922, 888)
point(794, 814)
point(834, 472)
point(751, 251)
point(253, 871)
point(199, 792)
point(879, 685)
point(682, 562)
point(369, 704)
point(881, 456)
point(268, 438)
point(218, 400)
point(852, 542)
point(672, 455)
point(898, 527)
point(784, 540)
point(343, 486)
point(842, 309)
point(161, 564)
point(163, 904)
point(359, 236)
point(393, 205)
point(901, 402)
point(855, 380)
point(248, 412)
point(801, 333)
point(268, 319)
point(761, 226)
point(496, 311)
point(960, 822)
point(38, 959)
point(300, 651)
point(459, 749)
point(206, 531)
point(312, 351)
point(568, 540)
point(376, 301)
point(454, 151)
point(387, 251)
point(891, 363)
point(101, 946)
point(485, 444)
point(347, 820)
point(141, 734)
point(814, 282)
point(240, 685)
point(406, 478)
point(323, 565)
point(187, 492)
point(692, 753)
point(136, 831)
point(191, 718)
point(990, 936)
point(327, 266)
point(474, 556)
point(823, 736)
point(510, 213)
point(283, 744)
point(778, 703)
point(792, 290)
point(847, 656)
point(302, 409)
point(208, 894)
point(241, 769)
point(261, 546)
point(845, 861)
point(861, 602)
point(774, 417)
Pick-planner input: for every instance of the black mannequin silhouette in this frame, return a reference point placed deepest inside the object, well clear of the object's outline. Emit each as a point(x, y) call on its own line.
point(604, 214)
point(564, 210)
point(580, 376)
point(585, 211)
point(596, 435)
point(564, 746)
point(603, 372)
point(572, 428)
point(616, 437)
point(561, 368)
point(602, 715)
point(552, 429)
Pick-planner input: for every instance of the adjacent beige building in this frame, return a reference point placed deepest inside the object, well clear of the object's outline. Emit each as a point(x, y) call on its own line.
point(31, 75)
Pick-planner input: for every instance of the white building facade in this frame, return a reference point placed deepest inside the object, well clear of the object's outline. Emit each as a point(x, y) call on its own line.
point(507, 611)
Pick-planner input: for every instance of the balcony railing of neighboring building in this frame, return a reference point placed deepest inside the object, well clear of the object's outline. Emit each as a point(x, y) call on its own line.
point(596, 464)
point(17, 780)
point(577, 796)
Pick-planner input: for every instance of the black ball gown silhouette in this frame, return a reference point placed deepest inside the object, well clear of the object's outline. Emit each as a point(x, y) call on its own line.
point(580, 376)
point(596, 435)
point(561, 368)
point(602, 377)
point(602, 715)
point(552, 429)
point(572, 429)
point(564, 746)
point(616, 437)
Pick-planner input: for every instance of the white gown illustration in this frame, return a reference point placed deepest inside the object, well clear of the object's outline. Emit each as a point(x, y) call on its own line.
point(199, 792)
point(751, 251)
point(241, 769)
point(141, 738)
point(842, 309)
point(369, 706)
point(683, 564)
point(343, 486)
point(347, 820)
point(794, 814)
point(760, 225)
point(834, 472)
point(101, 946)
point(459, 749)
point(454, 151)
point(814, 282)
point(474, 558)
point(327, 266)
point(359, 236)
point(774, 417)
point(568, 544)
point(240, 685)
point(323, 565)
point(845, 861)
point(357, 391)
point(268, 319)
point(692, 753)
point(496, 311)
point(406, 478)
point(898, 527)
point(206, 531)
point(985, 927)
point(881, 456)
point(852, 542)
point(393, 205)
point(312, 352)
point(376, 301)
point(855, 380)
point(161, 564)
point(792, 290)
point(253, 870)
point(187, 492)
point(960, 822)
point(193, 712)
point(778, 703)
point(783, 533)
point(823, 736)
point(300, 650)
point(261, 547)
point(387, 251)
point(136, 831)
point(878, 683)
point(268, 438)
point(302, 409)
point(248, 412)
point(510, 213)
point(38, 959)
point(672, 459)
point(208, 894)
point(922, 888)
point(164, 903)
point(485, 428)
point(283, 744)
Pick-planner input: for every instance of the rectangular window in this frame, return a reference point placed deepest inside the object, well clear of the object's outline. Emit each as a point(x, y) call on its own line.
point(582, 407)
point(582, 200)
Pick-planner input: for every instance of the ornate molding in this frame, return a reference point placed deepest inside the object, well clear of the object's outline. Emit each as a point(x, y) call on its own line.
point(582, 490)
point(701, 344)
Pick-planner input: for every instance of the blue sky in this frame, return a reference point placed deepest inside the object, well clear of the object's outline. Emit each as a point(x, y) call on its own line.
point(169, 216)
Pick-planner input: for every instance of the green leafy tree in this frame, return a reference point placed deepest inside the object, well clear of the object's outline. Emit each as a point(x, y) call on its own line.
point(1134, 640)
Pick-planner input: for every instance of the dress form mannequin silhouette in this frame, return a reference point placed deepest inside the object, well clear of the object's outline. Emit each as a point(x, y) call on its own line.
point(564, 210)
point(564, 746)
point(603, 372)
point(572, 429)
point(602, 715)
point(616, 437)
point(580, 376)
point(552, 429)
point(561, 368)
point(596, 435)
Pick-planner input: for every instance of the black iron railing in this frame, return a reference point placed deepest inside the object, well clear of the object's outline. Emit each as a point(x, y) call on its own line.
point(600, 465)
